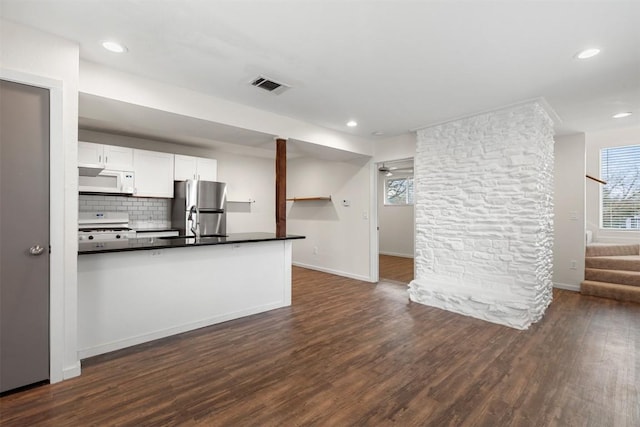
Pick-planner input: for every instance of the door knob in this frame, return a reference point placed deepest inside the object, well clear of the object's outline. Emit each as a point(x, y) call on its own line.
point(36, 250)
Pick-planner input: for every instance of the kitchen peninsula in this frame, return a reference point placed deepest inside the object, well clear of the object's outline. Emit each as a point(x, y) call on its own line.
point(138, 290)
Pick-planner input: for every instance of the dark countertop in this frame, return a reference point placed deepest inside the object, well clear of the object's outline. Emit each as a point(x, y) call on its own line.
point(141, 244)
point(154, 230)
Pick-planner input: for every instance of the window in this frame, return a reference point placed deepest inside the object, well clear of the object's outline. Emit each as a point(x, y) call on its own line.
point(620, 168)
point(398, 191)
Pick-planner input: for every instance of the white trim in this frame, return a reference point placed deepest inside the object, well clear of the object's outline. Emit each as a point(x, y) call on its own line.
point(57, 370)
point(397, 254)
point(374, 235)
point(566, 286)
point(334, 272)
point(605, 235)
point(72, 371)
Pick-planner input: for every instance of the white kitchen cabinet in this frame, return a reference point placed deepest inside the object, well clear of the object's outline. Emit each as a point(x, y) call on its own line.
point(110, 157)
point(189, 167)
point(207, 169)
point(154, 173)
point(118, 158)
point(124, 297)
point(90, 153)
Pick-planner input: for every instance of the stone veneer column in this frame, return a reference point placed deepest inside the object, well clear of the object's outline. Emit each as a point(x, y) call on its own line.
point(484, 216)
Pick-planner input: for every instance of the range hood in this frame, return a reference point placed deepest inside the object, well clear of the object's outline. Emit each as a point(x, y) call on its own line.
point(90, 169)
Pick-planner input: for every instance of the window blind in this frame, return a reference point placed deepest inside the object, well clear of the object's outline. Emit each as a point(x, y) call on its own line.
point(398, 191)
point(620, 197)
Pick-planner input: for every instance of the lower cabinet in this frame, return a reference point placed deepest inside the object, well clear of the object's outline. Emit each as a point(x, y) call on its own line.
point(154, 173)
point(127, 298)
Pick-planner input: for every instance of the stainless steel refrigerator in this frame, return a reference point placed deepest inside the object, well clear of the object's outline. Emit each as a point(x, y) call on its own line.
point(199, 208)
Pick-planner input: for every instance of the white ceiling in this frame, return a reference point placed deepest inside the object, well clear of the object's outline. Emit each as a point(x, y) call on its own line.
point(391, 65)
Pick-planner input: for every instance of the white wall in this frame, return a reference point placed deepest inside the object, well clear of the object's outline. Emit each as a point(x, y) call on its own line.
point(398, 147)
point(249, 178)
point(32, 57)
point(484, 216)
point(340, 234)
point(246, 177)
point(396, 234)
point(569, 211)
point(594, 142)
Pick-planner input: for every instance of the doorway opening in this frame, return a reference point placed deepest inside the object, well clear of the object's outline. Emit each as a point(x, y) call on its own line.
point(396, 220)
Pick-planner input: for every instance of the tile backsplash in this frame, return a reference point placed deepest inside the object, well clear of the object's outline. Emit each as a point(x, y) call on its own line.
point(143, 212)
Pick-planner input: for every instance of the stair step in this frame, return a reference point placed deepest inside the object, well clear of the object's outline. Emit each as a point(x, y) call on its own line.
point(610, 290)
point(621, 262)
point(602, 249)
point(629, 278)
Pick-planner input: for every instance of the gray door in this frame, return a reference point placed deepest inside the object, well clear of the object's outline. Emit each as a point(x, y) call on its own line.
point(24, 235)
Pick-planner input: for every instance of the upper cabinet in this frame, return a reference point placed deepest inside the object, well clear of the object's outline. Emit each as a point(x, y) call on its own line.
point(108, 156)
point(189, 167)
point(154, 173)
point(118, 158)
point(90, 153)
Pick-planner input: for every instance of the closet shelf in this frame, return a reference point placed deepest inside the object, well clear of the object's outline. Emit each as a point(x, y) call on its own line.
point(242, 201)
point(309, 199)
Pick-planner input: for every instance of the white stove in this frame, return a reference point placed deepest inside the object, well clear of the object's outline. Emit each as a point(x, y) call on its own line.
point(104, 226)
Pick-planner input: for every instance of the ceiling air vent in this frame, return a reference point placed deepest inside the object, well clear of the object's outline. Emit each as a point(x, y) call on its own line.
point(269, 85)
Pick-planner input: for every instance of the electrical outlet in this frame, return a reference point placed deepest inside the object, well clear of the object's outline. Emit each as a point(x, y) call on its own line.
point(574, 265)
point(315, 250)
point(156, 252)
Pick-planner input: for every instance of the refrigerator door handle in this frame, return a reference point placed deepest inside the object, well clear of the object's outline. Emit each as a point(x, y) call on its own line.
point(195, 223)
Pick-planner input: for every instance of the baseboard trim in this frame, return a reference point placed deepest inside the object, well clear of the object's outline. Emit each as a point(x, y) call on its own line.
point(396, 254)
point(71, 372)
point(566, 286)
point(334, 272)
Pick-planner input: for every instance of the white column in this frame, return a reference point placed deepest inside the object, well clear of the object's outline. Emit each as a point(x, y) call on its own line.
point(484, 216)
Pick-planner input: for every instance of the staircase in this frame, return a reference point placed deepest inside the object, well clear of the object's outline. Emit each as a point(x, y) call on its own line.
point(612, 271)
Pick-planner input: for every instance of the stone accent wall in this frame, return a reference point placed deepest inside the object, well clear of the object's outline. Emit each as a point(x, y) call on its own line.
point(484, 216)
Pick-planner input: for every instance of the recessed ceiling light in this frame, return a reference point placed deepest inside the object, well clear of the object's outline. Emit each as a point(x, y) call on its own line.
point(588, 53)
point(114, 47)
point(621, 115)
point(352, 123)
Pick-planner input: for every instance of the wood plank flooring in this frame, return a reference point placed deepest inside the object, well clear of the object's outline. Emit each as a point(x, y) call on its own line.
point(353, 353)
point(397, 269)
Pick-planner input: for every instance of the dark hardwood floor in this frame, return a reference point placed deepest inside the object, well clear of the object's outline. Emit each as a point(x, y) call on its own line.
point(397, 269)
point(353, 353)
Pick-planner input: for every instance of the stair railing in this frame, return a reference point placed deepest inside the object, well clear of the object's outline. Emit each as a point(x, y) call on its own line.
point(596, 179)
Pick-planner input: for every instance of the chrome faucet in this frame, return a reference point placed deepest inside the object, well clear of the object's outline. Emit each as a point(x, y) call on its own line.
point(195, 225)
